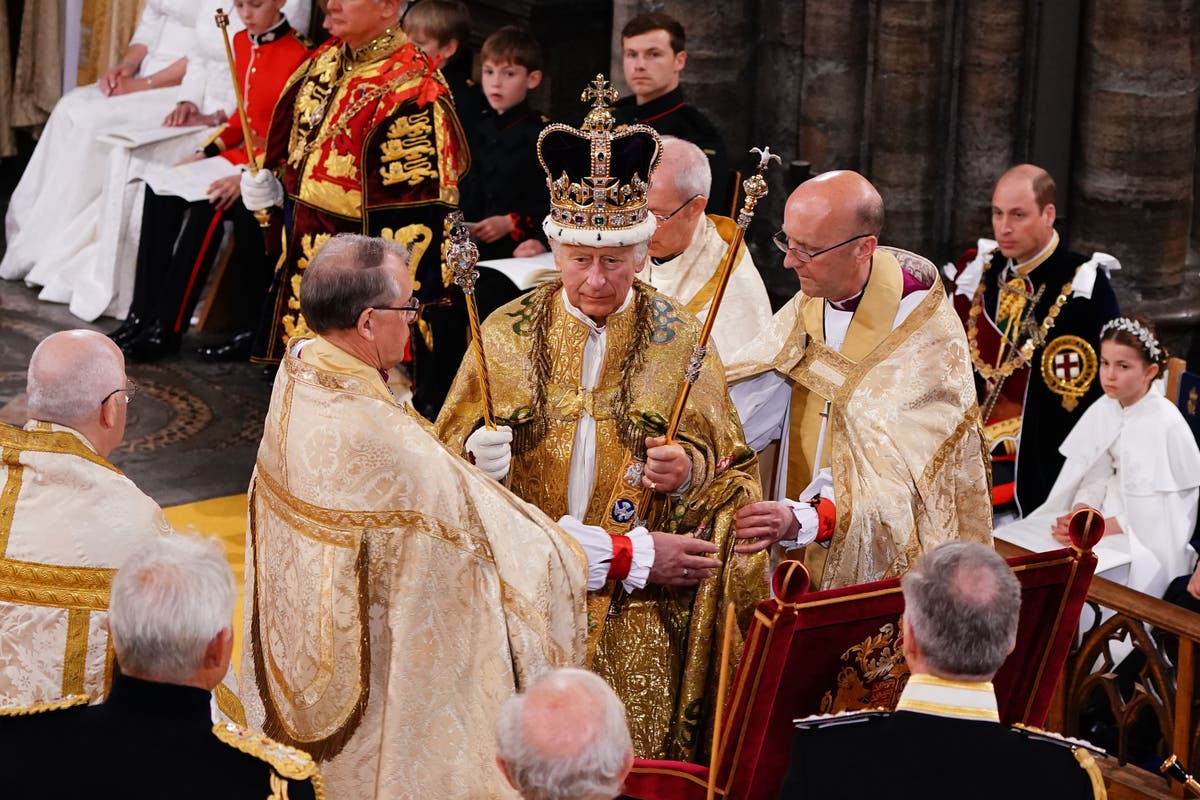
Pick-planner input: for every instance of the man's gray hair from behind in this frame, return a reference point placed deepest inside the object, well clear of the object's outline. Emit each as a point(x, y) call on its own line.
point(963, 603)
point(346, 276)
point(67, 386)
point(693, 175)
point(169, 599)
point(592, 765)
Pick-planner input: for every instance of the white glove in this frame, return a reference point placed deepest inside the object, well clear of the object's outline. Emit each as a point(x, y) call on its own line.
point(261, 190)
point(491, 450)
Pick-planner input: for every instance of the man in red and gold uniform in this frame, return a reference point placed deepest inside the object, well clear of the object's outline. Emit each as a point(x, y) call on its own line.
point(364, 139)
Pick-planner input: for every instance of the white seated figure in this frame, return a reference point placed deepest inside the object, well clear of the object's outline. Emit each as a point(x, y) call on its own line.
point(76, 211)
point(1133, 457)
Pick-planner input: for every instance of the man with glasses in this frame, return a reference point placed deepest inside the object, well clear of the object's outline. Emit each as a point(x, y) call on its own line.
point(68, 518)
point(688, 248)
point(864, 378)
point(395, 595)
point(584, 374)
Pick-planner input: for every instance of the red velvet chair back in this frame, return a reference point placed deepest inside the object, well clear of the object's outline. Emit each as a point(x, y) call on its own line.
point(840, 650)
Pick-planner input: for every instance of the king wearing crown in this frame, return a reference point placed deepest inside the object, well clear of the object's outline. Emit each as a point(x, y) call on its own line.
point(584, 376)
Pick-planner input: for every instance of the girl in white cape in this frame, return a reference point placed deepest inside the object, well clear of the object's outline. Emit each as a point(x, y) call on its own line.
point(1132, 456)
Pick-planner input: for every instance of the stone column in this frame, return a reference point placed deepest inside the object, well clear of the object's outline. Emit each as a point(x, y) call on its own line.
point(1135, 162)
point(834, 81)
point(989, 100)
point(907, 128)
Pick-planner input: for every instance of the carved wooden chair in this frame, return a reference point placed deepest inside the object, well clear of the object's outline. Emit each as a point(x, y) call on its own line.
point(837, 650)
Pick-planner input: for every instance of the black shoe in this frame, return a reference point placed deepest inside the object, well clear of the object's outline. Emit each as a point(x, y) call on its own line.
point(129, 329)
point(154, 342)
point(236, 349)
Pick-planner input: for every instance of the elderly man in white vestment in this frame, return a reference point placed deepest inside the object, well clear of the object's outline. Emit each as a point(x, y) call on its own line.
point(688, 248)
point(395, 595)
point(68, 518)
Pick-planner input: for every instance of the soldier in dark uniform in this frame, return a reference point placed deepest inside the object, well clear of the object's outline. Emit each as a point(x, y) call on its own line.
point(945, 740)
point(653, 56)
point(153, 736)
point(1033, 312)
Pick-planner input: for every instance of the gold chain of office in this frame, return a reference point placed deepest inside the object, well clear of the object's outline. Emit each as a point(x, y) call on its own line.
point(365, 97)
point(1009, 365)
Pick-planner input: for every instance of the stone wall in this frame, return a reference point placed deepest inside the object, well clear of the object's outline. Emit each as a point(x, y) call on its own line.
point(932, 99)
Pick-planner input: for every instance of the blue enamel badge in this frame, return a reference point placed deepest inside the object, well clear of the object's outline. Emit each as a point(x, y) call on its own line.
point(622, 510)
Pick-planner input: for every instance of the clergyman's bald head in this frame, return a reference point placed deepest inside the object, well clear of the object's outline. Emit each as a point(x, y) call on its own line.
point(70, 373)
point(846, 195)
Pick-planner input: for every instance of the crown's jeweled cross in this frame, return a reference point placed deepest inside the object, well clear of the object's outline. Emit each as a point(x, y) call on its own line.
point(600, 93)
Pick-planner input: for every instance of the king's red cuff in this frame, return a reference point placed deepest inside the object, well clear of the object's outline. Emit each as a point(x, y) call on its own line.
point(622, 558)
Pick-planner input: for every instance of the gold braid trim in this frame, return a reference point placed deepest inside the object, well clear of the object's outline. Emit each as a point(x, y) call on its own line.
point(70, 701)
point(273, 723)
point(28, 583)
point(1025, 353)
point(1089, 765)
point(51, 442)
point(290, 762)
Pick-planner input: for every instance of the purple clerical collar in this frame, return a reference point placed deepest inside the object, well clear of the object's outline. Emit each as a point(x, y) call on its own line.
point(849, 304)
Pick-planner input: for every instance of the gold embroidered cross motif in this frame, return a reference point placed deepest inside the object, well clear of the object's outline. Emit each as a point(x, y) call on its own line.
point(409, 151)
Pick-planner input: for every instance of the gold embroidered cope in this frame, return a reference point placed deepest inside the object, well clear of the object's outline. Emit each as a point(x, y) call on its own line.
point(654, 646)
point(395, 596)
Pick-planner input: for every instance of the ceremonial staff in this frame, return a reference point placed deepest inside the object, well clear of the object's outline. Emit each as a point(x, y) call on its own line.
point(462, 255)
point(263, 215)
point(1175, 771)
point(755, 188)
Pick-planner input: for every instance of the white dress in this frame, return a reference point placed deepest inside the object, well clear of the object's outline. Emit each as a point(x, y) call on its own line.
point(74, 220)
point(1139, 464)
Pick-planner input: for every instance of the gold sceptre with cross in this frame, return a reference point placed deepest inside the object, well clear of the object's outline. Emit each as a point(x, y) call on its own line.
point(462, 254)
point(755, 188)
point(263, 215)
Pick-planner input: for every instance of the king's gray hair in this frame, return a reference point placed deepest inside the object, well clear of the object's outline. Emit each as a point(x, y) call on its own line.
point(962, 602)
point(169, 599)
point(596, 771)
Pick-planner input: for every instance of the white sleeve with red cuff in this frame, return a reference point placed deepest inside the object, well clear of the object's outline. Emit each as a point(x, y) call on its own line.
point(597, 545)
point(806, 514)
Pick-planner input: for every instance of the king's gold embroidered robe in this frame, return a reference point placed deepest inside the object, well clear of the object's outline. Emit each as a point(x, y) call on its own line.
point(658, 647)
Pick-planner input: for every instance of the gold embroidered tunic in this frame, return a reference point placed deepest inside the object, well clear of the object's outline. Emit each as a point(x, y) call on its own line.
point(904, 440)
point(364, 142)
point(68, 518)
point(655, 647)
point(395, 596)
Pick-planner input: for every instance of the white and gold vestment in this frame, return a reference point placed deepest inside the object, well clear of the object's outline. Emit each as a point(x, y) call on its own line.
point(68, 519)
point(395, 595)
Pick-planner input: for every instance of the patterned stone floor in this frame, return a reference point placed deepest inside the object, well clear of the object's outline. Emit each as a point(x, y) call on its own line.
point(192, 432)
